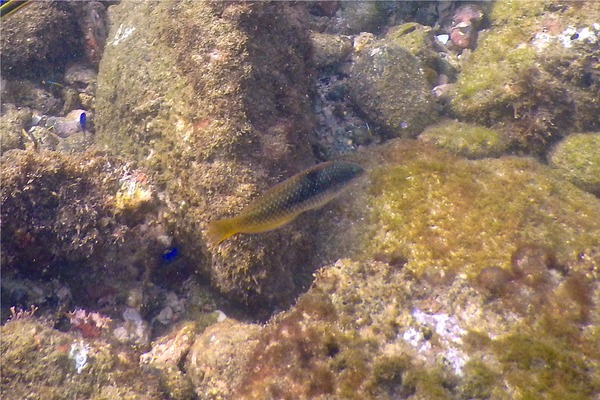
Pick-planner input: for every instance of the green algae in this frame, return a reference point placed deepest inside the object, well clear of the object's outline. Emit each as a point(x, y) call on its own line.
point(466, 140)
point(578, 158)
point(36, 364)
point(479, 380)
point(538, 366)
point(523, 87)
point(304, 354)
point(389, 86)
point(215, 117)
point(456, 216)
point(346, 338)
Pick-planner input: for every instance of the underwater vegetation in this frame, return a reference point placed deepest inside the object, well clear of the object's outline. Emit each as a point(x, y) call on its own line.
point(389, 87)
point(41, 362)
point(452, 269)
point(446, 215)
point(467, 140)
point(228, 122)
point(363, 331)
point(532, 73)
point(578, 158)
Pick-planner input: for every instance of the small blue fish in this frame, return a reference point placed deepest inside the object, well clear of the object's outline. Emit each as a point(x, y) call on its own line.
point(170, 254)
point(82, 118)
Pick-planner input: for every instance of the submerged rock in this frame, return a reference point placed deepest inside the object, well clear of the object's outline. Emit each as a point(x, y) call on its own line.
point(218, 116)
point(472, 284)
point(466, 140)
point(420, 42)
point(218, 357)
point(329, 50)
point(39, 38)
point(373, 330)
point(38, 361)
point(447, 216)
point(62, 220)
point(389, 87)
point(359, 16)
point(12, 125)
point(531, 74)
point(578, 158)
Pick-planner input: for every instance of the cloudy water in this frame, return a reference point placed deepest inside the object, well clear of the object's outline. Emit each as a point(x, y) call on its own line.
point(300, 200)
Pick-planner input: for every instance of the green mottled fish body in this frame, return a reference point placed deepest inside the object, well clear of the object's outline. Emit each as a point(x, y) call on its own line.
point(281, 204)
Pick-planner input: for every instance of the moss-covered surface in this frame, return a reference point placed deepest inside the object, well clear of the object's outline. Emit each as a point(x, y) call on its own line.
point(329, 50)
point(543, 365)
point(446, 215)
point(12, 123)
point(535, 91)
point(421, 322)
point(460, 216)
point(578, 158)
point(56, 206)
point(217, 358)
point(40, 39)
point(466, 140)
point(168, 354)
point(419, 41)
point(389, 87)
point(36, 364)
point(62, 221)
point(356, 334)
point(217, 107)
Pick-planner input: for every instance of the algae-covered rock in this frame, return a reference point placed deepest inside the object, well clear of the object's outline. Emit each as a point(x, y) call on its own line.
point(218, 357)
point(213, 98)
point(419, 41)
point(578, 157)
point(466, 140)
point(445, 215)
point(360, 16)
point(329, 50)
point(39, 38)
point(12, 123)
point(167, 355)
point(531, 73)
point(61, 221)
point(39, 362)
point(389, 87)
point(371, 329)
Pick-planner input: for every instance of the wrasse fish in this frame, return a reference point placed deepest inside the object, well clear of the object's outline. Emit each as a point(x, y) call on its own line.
point(10, 6)
point(307, 190)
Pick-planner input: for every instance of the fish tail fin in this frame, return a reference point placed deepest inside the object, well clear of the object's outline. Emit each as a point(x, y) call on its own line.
point(221, 229)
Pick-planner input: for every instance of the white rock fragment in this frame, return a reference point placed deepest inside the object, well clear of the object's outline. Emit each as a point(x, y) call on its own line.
point(443, 39)
point(122, 34)
point(134, 330)
point(449, 338)
point(220, 316)
point(79, 355)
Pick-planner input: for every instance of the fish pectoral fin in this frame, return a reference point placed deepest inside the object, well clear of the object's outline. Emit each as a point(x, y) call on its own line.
point(220, 230)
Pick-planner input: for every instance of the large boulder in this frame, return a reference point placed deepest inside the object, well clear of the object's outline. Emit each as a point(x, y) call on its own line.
point(87, 222)
point(445, 216)
point(372, 330)
point(388, 85)
point(214, 98)
point(41, 362)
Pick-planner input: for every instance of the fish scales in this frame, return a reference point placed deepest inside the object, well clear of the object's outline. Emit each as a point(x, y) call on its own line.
point(281, 204)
